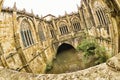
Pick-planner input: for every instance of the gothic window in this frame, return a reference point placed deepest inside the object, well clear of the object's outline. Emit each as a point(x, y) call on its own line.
point(99, 18)
point(26, 33)
point(63, 29)
point(41, 33)
point(76, 26)
point(52, 33)
point(102, 17)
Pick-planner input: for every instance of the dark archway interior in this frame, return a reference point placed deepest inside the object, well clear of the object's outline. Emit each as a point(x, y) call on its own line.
point(64, 47)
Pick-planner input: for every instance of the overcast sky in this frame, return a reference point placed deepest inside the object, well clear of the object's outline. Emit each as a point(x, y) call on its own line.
point(44, 7)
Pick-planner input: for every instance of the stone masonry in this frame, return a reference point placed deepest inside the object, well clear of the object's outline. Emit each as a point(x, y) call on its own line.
point(29, 43)
point(99, 72)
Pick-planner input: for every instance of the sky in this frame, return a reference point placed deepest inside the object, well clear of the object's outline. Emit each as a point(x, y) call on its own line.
point(44, 7)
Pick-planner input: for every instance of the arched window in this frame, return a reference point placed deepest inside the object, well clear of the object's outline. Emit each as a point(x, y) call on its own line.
point(41, 33)
point(102, 17)
point(76, 26)
point(63, 29)
point(26, 33)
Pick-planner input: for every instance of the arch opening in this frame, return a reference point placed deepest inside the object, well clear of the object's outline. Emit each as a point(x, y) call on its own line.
point(66, 57)
point(64, 47)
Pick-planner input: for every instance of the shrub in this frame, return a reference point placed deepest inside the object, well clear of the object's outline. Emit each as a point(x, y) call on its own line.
point(91, 48)
point(88, 47)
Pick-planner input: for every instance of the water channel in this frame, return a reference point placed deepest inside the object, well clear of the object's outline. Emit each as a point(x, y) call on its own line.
point(67, 60)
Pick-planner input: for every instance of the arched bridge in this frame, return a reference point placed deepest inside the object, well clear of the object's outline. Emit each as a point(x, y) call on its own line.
point(27, 39)
point(33, 39)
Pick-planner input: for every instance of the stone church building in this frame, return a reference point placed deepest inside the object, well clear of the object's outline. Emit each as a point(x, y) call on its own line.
point(29, 43)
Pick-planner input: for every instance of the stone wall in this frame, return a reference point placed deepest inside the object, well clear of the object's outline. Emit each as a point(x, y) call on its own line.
point(96, 17)
point(99, 72)
point(93, 19)
point(15, 55)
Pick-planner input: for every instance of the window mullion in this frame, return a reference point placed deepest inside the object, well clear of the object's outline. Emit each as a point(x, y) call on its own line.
point(99, 18)
point(23, 38)
point(26, 38)
point(31, 38)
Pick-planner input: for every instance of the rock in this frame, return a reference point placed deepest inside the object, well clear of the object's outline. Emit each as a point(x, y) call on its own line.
point(114, 63)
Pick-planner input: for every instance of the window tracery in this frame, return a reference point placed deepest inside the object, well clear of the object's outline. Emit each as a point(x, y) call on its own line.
point(63, 29)
point(103, 18)
point(26, 34)
point(76, 25)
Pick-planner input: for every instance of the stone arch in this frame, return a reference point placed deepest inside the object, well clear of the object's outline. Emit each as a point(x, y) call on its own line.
point(21, 17)
point(61, 22)
point(75, 18)
point(25, 17)
point(97, 4)
point(64, 47)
